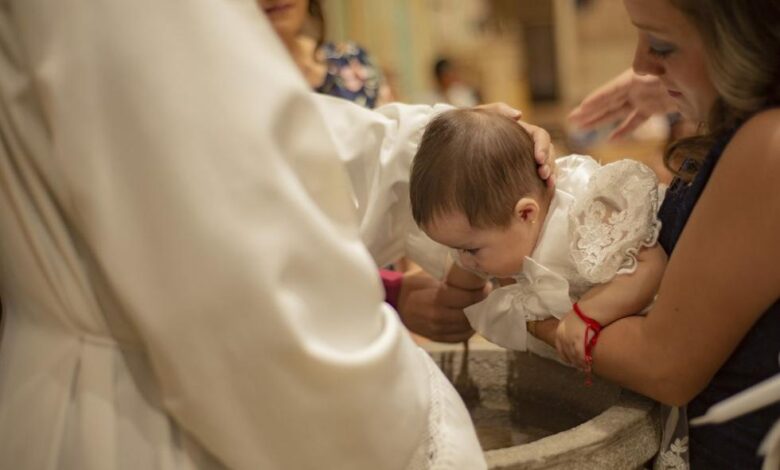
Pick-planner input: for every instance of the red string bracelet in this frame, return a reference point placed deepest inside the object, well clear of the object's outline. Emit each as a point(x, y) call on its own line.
point(592, 330)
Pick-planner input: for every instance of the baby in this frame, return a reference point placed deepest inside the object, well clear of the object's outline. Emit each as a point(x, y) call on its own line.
point(474, 188)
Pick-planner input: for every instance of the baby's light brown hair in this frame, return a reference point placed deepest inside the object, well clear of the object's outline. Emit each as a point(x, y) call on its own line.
point(475, 162)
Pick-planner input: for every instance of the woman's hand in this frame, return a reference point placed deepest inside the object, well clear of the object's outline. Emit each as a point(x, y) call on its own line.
point(628, 97)
point(543, 147)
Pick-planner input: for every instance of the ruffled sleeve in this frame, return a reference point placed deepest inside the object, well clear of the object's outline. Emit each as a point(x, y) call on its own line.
point(613, 219)
point(574, 171)
point(377, 148)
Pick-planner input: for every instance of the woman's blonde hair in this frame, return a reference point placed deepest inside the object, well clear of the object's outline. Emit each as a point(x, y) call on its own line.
point(742, 42)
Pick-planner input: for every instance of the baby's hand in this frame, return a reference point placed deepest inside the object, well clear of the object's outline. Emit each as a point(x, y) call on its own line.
point(570, 340)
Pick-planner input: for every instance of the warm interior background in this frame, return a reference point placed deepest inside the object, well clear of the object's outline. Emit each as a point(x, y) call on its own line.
point(542, 56)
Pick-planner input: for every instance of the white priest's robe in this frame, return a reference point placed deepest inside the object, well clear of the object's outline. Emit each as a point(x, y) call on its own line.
point(182, 270)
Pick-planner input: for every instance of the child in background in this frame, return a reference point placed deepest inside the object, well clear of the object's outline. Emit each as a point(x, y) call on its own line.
point(474, 188)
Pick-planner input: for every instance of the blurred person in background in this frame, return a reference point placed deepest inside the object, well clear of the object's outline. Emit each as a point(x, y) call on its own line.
point(344, 70)
point(451, 88)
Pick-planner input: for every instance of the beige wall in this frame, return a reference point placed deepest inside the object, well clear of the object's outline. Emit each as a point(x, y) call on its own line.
point(593, 44)
point(396, 33)
point(604, 46)
point(406, 36)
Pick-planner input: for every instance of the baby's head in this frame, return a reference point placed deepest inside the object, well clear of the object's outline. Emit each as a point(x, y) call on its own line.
point(474, 187)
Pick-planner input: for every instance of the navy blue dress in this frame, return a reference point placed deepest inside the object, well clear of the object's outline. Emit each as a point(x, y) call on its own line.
point(734, 444)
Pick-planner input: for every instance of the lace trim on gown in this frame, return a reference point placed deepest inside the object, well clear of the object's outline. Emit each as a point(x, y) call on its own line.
point(442, 448)
point(615, 218)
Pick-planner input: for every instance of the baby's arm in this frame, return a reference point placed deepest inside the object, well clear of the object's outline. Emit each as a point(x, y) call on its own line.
point(624, 295)
point(627, 294)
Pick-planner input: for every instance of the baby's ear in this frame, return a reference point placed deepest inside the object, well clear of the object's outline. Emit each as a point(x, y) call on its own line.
point(527, 210)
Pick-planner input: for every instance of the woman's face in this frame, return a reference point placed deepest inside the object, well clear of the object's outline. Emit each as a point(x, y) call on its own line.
point(671, 48)
point(286, 16)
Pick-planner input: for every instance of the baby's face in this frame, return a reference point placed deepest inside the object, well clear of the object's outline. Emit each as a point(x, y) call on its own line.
point(498, 252)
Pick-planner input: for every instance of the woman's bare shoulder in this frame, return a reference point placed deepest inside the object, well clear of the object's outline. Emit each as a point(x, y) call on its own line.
point(757, 142)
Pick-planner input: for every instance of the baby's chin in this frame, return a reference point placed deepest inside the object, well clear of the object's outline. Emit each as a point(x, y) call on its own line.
point(495, 275)
point(510, 275)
